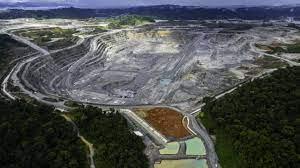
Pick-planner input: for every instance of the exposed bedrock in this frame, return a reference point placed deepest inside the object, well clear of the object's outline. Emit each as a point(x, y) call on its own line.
point(141, 67)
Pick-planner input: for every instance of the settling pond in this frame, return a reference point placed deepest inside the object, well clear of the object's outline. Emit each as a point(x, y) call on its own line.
point(187, 163)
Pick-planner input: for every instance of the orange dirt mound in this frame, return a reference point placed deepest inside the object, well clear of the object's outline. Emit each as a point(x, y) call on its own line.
point(167, 121)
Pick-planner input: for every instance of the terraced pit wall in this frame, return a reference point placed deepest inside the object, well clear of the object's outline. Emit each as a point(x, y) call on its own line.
point(46, 73)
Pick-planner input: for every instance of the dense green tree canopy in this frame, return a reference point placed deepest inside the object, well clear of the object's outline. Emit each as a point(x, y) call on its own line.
point(32, 136)
point(115, 146)
point(8, 49)
point(128, 20)
point(262, 119)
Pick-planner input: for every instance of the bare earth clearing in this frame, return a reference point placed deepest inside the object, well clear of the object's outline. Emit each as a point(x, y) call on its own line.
point(166, 121)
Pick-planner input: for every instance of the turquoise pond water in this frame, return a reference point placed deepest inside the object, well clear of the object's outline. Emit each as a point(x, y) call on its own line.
point(170, 148)
point(186, 163)
point(195, 146)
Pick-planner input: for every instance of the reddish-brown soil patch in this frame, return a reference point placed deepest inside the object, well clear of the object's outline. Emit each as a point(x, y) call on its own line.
point(167, 121)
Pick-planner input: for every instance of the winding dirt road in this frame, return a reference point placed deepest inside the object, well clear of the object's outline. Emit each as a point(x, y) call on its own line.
point(87, 143)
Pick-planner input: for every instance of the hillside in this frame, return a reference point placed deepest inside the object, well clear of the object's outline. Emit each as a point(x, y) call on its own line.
point(33, 136)
point(259, 122)
point(161, 12)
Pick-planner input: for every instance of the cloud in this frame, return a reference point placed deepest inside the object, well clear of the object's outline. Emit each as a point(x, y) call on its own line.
point(106, 3)
point(62, 1)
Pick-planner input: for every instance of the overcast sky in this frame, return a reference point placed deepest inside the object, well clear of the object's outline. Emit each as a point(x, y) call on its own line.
point(111, 3)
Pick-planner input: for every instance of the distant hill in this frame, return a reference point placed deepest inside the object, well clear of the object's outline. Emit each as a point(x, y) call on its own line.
point(162, 12)
point(33, 5)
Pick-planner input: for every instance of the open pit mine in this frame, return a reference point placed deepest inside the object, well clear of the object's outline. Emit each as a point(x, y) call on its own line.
point(157, 64)
point(156, 74)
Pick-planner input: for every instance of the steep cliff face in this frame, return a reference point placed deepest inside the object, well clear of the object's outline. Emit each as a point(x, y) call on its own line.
point(152, 42)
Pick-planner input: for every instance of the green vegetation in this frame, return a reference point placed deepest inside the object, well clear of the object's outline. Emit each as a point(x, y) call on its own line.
point(70, 103)
point(92, 30)
point(115, 146)
point(260, 120)
point(280, 48)
point(43, 37)
point(293, 48)
point(50, 99)
point(99, 29)
point(224, 148)
point(229, 158)
point(10, 49)
point(271, 49)
point(33, 136)
point(7, 42)
point(270, 62)
point(6, 45)
point(128, 20)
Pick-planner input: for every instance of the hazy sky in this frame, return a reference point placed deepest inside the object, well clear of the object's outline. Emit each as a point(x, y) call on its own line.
point(105, 3)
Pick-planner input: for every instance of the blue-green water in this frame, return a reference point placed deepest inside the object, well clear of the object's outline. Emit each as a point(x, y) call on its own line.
point(186, 163)
point(170, 148)
point(195, 146)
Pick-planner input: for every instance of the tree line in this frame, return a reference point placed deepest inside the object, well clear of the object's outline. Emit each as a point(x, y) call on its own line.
point(115, 145)
point(262, 120)
point(33, 135)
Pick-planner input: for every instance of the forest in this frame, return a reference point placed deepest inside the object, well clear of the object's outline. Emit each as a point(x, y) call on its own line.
point(8, 49)
point(259, 122)
point(128, 20)
point(115, 145)
point(170, 12)
point(32, 136)
point(50, 38)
